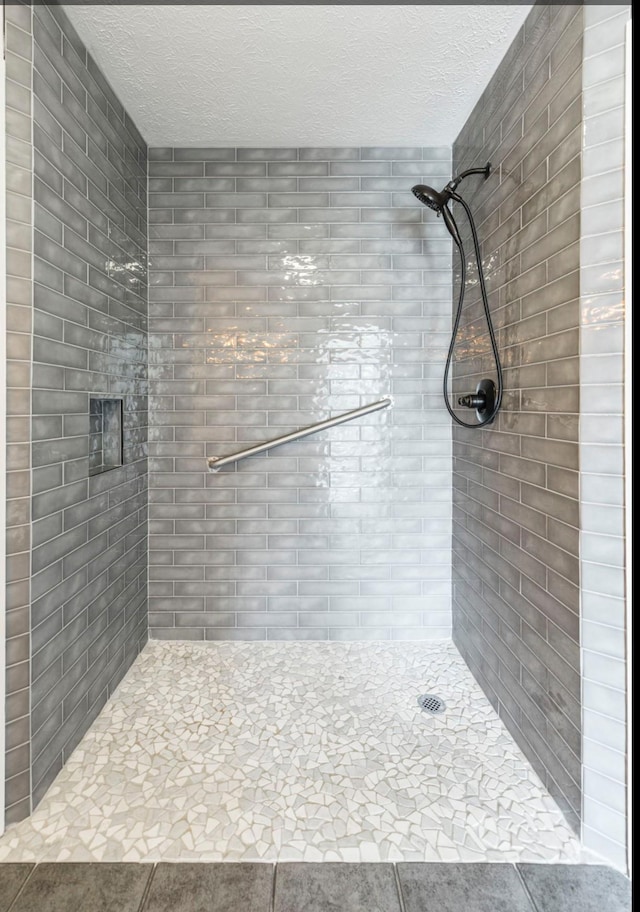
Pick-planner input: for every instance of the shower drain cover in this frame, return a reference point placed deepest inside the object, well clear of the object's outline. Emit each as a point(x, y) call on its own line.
point(431, 704)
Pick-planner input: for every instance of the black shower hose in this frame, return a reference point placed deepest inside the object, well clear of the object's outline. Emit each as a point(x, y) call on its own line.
point(456, 324)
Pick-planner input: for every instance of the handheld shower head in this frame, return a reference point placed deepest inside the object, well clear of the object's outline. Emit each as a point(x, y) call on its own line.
point(434, 199)
point(437, 200)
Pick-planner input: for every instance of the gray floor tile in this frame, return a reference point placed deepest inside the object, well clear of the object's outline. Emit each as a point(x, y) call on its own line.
point(236, 887)
point(84, 888)
point(576, 888)
point(335, 887)
point(435, 887)
point(12, 876)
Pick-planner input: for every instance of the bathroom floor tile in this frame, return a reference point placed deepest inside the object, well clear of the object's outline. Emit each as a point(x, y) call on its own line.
point(462, 888)
point(576, 888)
point(280, 751)
point(211, 888)
point(336, 888)
point(12, 877)
point(84, 888)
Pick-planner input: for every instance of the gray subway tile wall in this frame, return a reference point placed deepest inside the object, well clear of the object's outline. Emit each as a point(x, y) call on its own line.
point(288, 285)
point(89, 559)
point(516, 504)
point(19, 240)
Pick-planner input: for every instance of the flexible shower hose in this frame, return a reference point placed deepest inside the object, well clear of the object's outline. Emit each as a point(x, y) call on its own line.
point(456, 324)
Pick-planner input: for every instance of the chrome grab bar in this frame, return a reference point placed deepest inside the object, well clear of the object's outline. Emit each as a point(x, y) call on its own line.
point(216, 462)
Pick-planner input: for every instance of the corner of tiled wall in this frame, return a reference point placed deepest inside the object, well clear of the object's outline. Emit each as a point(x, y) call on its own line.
point(19, 175)
point(602, 527)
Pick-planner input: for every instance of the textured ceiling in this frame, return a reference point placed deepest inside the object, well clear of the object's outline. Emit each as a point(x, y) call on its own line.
point(298, 75)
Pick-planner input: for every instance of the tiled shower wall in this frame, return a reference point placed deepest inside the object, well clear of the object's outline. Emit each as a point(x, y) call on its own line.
point(19, 178)
point(88, 534)
point(602, 526)
point(288, 285)
point(516, 496)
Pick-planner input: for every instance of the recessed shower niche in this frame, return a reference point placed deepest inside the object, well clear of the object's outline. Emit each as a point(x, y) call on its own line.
point(105, 434)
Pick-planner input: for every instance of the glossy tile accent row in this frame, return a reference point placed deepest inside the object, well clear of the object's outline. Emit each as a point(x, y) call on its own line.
point(516, 501)
point(287, 286)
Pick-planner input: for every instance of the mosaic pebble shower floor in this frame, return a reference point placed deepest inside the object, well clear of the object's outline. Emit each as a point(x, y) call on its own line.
point(295, 752)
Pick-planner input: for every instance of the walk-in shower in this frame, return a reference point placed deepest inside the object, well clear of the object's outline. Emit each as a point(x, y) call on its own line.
point(487, 398)
point(389, 640)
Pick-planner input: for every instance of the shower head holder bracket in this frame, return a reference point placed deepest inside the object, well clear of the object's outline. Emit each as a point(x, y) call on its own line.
point(453, 183)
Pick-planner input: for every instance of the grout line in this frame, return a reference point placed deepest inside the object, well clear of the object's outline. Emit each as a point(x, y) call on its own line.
point(534, 907)
point(21, 890)
point(147, 888)
point(398, 886)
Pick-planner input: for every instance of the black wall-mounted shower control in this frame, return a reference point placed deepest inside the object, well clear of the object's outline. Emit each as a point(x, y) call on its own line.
point(483, 400)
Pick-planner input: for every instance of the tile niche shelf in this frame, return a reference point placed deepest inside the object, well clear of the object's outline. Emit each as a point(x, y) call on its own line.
point(105, 434)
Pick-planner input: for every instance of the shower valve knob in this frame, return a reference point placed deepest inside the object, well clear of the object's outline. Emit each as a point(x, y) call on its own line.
point(482, 400)
point(473, 400)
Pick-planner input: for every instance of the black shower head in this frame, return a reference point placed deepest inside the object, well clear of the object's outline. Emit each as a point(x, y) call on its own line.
point(434, 199)
point(437, 200)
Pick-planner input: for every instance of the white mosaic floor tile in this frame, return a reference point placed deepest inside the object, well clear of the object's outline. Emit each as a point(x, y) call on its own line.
point(296, 752)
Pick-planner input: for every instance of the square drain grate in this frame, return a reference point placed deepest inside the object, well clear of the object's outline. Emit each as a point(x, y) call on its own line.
point(432, 704)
